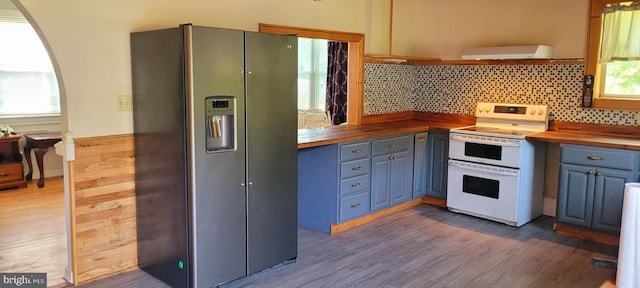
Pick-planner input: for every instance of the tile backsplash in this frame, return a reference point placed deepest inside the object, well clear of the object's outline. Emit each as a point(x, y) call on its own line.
point(390, 88)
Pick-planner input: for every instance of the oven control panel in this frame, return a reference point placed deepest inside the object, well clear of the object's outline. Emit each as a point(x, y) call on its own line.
point(520, 112)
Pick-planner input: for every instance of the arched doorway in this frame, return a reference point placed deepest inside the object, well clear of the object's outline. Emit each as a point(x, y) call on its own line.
point(34, 221)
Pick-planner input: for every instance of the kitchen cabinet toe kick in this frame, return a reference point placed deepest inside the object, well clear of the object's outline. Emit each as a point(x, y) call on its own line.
point(337, 228)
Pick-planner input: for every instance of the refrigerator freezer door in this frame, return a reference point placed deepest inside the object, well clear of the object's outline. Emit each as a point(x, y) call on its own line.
point(271, 83)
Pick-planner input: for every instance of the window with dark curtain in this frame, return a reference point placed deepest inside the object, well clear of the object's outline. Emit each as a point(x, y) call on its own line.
point(338, 54)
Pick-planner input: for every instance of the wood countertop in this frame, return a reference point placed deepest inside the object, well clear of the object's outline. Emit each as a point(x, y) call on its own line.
point(570, 137)
point(338, 134)
point(599, 135)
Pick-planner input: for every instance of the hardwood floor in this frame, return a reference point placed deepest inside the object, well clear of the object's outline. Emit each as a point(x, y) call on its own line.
point(426, 246)
point(32, 230)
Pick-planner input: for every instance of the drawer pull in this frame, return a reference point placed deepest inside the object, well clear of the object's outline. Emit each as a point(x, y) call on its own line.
point(598, 173)
point(355, 205)
point(356, 168)
point(355, 151)
point(391, 145)
point(355, 185)
point(4, 174)
point(589, 172)
point(594, 158)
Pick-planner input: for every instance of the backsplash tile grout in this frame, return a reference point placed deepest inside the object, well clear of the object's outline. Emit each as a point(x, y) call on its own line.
point(390, 88)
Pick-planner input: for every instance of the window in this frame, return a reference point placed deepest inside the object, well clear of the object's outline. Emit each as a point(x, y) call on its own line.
point(620, 51)
point(356, 61)
point(28, 84)
point(613, 55)
point(312, 73)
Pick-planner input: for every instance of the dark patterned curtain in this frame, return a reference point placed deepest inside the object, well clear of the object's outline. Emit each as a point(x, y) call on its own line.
point(336, 100)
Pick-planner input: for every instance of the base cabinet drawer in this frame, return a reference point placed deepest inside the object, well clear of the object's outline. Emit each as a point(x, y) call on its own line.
point(10, 172)
point(354, 184)
point(600, 157)
point(354, 206)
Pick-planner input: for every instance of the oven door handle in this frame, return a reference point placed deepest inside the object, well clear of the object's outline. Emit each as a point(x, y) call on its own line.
point(507, 143)
point(467, 167)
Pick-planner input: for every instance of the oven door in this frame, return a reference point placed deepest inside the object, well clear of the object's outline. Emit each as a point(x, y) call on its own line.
point(485, 191)
point(485, 149)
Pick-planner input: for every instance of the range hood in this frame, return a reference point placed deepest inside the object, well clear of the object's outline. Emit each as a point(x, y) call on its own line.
point(509, 52)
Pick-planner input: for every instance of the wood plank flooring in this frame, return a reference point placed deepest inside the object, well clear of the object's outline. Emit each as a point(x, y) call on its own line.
point(426, 246)
point(32, 230)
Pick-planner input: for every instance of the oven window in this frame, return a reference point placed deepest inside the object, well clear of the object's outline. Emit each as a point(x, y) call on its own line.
point(483, 151)
point(481, 186)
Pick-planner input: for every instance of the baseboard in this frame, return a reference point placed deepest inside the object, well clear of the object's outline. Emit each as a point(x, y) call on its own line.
point(549, 207)
point(434, 201)
point(68, 275)
point(581, 233)
point(47, 173)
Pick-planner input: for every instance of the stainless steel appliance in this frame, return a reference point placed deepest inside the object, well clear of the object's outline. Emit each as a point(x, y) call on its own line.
point(215, 153)
point(494, 172)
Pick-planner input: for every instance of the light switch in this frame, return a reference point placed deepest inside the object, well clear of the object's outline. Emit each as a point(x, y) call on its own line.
point(123, 103)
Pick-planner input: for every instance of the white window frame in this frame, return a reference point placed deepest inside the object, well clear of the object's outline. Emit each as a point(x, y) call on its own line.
point(28, 123)
point(316, 101)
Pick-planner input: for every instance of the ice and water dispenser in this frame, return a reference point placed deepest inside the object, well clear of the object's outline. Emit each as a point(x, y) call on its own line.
point(220, 123)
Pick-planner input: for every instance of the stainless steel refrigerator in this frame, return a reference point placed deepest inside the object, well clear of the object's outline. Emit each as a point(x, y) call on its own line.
point(215, 113)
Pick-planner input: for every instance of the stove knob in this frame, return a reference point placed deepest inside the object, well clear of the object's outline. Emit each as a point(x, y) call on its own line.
point(532, 111)
point(541, 112)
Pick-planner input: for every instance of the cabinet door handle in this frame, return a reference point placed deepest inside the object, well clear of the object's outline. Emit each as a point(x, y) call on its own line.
point(598, 173)
point(355, 205)
point(355, 185)
point(391, 145)
point(594, 158)
point(4, 174)
point(589, 172)
point(392, 157)
point(356, 168)
point(355, 151)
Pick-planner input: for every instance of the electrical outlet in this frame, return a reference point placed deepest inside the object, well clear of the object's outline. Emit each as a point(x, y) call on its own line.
point(366, 107)
point(123, 103)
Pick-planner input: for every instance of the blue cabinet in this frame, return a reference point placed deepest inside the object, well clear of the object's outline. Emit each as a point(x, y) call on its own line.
point(420, 165)
point(575, 195)
point(341, 182)
point(392, 171)
point(437, 154)
point(318, 187)
point(591, 186)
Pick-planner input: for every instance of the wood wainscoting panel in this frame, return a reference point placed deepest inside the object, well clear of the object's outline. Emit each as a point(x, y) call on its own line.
point(104, 211)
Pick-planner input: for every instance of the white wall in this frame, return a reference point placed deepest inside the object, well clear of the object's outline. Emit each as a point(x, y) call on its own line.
point(90, 39)
point(90, 42)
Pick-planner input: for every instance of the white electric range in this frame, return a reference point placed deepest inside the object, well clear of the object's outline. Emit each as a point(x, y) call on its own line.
point(494, 172)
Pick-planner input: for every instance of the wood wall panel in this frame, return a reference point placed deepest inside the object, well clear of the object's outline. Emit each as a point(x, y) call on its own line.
point(104, 213)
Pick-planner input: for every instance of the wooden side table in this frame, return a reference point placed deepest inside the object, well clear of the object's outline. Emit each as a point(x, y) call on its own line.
point(11, 173)
point(39, 142)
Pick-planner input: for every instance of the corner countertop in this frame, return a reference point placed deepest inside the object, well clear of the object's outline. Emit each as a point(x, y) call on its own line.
point(570, 137)
point(344, 133)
